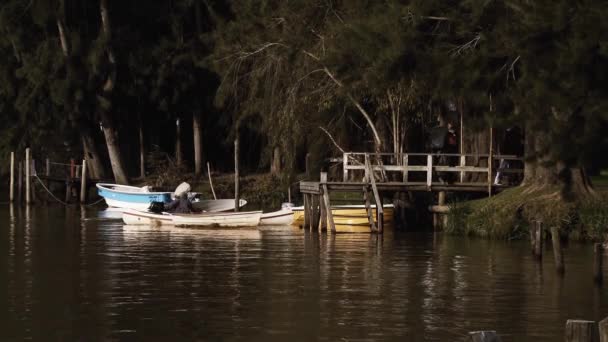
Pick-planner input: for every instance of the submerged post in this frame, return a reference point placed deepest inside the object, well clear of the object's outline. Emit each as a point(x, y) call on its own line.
point(28, 194)
point(538, 247)
point(581, 331)
point(236, 174)
point(557, 250)
point(12, 180)
point(598, 255)
point(483, 336)
point(83, 182)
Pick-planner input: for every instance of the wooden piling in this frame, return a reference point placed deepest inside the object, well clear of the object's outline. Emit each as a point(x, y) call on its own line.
point(236, 174)
point(314, 222)
point(581, 331)
point(557, 250)
point(603, 328)
point(538, 240)
point(12, 179)
point(483, 336)
point(322, 208)
point(368, 209)
point(20, 183)
point(28, 199)
point(306, 211)
point(330, 215)
point(598, 255)
point(83, 182)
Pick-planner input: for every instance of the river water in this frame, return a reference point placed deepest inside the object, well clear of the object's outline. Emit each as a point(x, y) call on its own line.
point(72, 275)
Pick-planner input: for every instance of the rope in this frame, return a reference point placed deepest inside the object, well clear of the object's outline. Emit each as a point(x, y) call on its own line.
point(49, 191)
point(60, 201)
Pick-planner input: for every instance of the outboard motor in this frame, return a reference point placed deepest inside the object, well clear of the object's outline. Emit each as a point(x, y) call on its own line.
point(287, 205)
point(182, 188)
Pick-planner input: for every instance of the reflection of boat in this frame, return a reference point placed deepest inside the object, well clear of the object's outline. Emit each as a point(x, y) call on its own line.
point(239, 219)
point(139, 231)
point(132, 197)
point(283, 217)
point(346, 216)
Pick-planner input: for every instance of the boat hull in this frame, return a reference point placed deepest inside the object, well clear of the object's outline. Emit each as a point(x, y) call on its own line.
point(345, 216)
point(241, 219)
point(282, 217)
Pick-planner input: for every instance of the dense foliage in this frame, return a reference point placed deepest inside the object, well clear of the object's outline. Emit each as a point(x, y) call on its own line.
point(369, 73)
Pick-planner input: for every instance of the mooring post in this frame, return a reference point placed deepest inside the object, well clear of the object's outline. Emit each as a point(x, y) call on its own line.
point(323, 209)
point(306, 211)
point(83, 182)
point(603, 328)
point(581, 331)
point(557, 250)
point(12, 179)
point(538, 246)
point(330, 215)
point(20, 183)
point(598, 255)
point(314, 223)
point(368, 208)
point(28, 194)
point(483, 336)
point(345, 167)
point(436, 221)
point(236, 174)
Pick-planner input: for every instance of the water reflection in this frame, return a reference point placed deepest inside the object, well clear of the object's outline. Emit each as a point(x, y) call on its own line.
point(73, 274)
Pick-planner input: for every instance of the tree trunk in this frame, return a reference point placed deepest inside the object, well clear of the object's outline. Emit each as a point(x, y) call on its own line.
point(275, 165)
point(91, 153)
point(142, 150)
point(111, 135)
point(198, 144)
point(541, 171)
point(178, 142)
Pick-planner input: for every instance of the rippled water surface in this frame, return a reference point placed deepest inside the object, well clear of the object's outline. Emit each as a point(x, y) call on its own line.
point(69, 275)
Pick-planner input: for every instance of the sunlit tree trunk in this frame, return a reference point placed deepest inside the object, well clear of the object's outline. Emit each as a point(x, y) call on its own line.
point(275, 165)
point(91, 153)
point(198, 143)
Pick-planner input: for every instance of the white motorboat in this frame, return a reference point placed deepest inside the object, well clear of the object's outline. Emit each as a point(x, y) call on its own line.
point(224, 219)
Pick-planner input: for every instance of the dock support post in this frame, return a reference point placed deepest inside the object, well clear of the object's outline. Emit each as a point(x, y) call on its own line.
point(463, 163)
point(306, 211)
point(557, 250)
point(581, 331)
point(483, 336)
point(322, 208)
point(20, 183)
point(28, 194)
point(538, 241)
point(437, 222)
point(330, 215)
point(12, 180)
point(236, 174)
point(603, 327)
point(314, 223)
point(368, 209)
point(598, 249)
point(83, 182)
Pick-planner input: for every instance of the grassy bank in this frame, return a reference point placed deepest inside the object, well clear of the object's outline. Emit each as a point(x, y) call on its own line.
point(509, 214)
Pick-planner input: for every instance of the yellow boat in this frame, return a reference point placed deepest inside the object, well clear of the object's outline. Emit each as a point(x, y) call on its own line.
point(348, 218)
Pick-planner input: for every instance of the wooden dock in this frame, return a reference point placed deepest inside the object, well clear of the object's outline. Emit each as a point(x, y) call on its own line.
point(373, 173)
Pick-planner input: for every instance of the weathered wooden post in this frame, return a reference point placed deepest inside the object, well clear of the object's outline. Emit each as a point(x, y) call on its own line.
point(20, 183)
point(83, 182)
point(323, 209)
point(598, 255)
point(581, 331)
point(28, 194)
point(314, 223)
point(603, 327)
point(483, 336)
point(557, 250)
point(12, 179)
point(306, 211)
point(330, 215)
point(34, 173)
point(236, 173)
point(436, 216)
point(345, 167)
point(538, 241)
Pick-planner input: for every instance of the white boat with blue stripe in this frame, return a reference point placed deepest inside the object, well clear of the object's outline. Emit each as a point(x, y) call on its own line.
point(130, 197)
